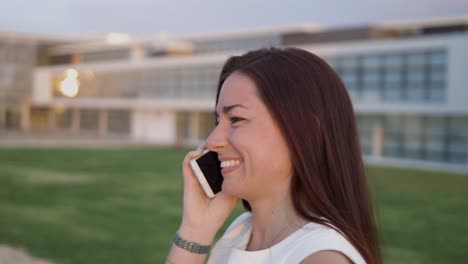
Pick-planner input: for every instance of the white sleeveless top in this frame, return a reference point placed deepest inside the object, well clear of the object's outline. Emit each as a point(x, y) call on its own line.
point(309, 239)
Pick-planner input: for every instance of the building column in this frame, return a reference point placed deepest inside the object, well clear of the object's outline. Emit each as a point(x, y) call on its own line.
point(193, 129)
point(137, 53)
point(51, 119)
point(103, 121)
point(2, 117)
point(24, 111)
point(378, 141)
point(75, 121)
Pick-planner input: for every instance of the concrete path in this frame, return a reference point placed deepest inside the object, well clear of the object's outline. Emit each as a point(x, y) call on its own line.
point(10, 255)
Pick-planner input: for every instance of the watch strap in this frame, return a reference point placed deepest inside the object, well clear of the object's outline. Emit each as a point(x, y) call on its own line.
point(190, 246)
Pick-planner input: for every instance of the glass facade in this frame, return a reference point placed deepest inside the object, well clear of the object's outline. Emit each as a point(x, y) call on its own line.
point(207, 124)
point(118, 121)
point(17, 62)
point(89, 120)
point(418, 76)
point(183, 126)
point(105, 55)
point(366, 126)
point(237, 43)
point(64, 119)
point(161, 83)
point(39, 119)
point(412, 76)
point(194, 126)
point(417, 137)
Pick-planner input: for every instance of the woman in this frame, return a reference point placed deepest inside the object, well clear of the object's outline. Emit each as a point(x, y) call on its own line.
point(286, 122)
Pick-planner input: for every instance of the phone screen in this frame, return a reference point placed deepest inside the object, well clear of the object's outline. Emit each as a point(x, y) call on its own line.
point(211, 168)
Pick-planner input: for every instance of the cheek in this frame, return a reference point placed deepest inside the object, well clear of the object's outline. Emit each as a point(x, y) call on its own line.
point(266, 156)
point(234, 136)
point(265, 152)
point(242, 141)
point(274, 155)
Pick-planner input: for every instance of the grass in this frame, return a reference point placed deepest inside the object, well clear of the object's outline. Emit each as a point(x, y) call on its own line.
point(422, 215)
point(124, 205)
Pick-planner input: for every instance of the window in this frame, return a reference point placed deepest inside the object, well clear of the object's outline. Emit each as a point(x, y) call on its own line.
point(206, 125)
point(393, 138)
point(416, 59)
point(349, 62)
point(118, 121)
point(435, 128)
point(416, 91)
point(89, 120)
point(458, 139)
point(183, 126)
point(63, 118)
point(413, 130)
point(414, 76)
point(371, 62)
point(366, 125)
point(371, 85)
point(438, 57)
point(393, 61)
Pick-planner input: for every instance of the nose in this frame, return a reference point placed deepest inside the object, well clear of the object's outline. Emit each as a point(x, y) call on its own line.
point(217, 139)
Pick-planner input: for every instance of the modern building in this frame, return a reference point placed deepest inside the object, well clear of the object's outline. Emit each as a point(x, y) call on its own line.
point(20, 54)
point(407, 81)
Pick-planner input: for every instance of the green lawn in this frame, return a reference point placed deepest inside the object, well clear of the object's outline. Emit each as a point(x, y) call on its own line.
point(123, 206)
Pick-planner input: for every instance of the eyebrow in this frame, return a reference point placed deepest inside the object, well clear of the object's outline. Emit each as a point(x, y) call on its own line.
point(228, 108)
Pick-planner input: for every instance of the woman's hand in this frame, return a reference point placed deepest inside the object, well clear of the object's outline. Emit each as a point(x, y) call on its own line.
point(202, 216)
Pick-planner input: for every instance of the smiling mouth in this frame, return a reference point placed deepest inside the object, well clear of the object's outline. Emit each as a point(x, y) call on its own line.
point(228, 166)
point(229, 163)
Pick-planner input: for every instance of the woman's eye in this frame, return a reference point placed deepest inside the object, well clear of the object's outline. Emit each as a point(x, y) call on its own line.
point(235, 119)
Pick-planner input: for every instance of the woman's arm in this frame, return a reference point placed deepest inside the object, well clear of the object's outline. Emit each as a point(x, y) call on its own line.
point(327, 257)
point(178, 254)
point(202, 216)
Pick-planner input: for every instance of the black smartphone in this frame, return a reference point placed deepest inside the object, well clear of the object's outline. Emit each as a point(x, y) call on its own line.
point(207, 168)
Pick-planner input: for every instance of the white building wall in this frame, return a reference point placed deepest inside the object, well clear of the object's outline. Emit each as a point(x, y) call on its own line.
point(41, 92)
point(457, 82)
point(153, 126)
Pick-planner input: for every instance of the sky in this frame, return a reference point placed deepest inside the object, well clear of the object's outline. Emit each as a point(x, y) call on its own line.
point(188, 17)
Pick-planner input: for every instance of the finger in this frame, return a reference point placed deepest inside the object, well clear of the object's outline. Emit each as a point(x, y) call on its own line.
point(201, 147)
point(190, 181)
point(193, 154)
point(186, 163)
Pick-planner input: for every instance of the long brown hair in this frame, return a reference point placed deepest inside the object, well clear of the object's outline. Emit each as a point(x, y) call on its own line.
point(315, 115)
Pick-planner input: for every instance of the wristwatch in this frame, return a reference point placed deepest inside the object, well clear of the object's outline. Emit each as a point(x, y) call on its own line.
point(190, 246)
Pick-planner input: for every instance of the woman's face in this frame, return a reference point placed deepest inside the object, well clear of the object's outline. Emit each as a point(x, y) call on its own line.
point(254, 156)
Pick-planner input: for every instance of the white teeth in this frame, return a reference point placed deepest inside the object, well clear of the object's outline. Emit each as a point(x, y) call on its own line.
point(229, 163)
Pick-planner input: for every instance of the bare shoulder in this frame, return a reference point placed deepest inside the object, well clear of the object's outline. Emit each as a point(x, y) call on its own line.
point(327, 256)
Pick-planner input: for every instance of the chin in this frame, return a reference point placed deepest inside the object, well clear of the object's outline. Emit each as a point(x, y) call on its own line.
point(231, 188)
